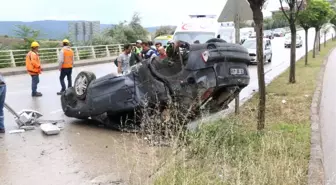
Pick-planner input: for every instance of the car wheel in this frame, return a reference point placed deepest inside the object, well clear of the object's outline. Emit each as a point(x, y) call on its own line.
point(82, 82)
point(270, 60)
point(68, 98)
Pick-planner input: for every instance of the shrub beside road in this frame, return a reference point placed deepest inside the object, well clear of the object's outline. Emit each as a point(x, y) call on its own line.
point(230, 151)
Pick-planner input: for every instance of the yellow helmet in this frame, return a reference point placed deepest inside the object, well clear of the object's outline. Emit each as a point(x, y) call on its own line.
point(34, 44)
point(66, 41)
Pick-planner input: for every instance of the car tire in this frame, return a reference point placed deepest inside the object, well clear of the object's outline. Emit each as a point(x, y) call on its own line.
point(68, 98)
point(82, 83)
point(270, 60)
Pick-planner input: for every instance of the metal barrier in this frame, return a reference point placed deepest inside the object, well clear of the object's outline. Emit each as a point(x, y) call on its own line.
point(14, 58)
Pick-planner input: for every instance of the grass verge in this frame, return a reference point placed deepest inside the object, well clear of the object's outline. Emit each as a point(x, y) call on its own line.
point(231, 152)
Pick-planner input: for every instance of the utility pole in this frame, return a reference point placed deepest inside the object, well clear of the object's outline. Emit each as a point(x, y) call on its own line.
point(237, 37)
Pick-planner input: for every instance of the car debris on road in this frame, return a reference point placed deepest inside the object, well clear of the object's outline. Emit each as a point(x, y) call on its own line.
point(27, 120)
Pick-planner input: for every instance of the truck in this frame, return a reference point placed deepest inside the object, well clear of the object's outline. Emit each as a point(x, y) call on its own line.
point(201, 28)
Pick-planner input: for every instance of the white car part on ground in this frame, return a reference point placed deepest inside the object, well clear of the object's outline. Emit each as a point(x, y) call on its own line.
point(26, 119)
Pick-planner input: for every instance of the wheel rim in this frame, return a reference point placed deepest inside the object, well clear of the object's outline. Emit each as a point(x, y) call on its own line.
point(81, 85)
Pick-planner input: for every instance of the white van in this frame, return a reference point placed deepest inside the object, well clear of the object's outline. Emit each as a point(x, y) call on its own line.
point(201, 28)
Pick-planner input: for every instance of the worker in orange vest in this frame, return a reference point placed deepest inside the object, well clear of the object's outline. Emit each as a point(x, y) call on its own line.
point(66, 60)
point(33, 65)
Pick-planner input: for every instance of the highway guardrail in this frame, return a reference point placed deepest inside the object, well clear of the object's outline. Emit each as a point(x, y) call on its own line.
point(15, 58)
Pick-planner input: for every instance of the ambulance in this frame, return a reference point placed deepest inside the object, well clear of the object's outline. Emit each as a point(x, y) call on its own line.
point(201, 28)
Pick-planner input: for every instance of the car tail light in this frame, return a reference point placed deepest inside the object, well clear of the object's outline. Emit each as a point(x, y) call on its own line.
point(205, 56)
point(207, 94)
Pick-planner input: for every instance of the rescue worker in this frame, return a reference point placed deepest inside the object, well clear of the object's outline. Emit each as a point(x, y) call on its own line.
point(33, 65)
point(66, 60)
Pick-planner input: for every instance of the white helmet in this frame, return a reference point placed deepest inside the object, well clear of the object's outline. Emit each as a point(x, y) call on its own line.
point(139, 41)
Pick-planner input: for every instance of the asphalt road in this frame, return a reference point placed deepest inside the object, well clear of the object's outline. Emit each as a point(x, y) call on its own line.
point(327, 121)
point(84, 153)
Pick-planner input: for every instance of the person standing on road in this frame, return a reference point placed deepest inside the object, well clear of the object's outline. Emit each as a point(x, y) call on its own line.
point(152, 45)
point(147, 51)
point(124, 60)
point(33, 65)
point(2, 103)
point(66, 60)
point(162, 52)
point(158, 45)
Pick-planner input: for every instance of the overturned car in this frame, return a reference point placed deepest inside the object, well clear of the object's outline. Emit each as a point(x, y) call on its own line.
point(201, 75)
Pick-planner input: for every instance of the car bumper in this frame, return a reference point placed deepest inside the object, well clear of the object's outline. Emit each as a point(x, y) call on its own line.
point(289, 45)
point(254, 60)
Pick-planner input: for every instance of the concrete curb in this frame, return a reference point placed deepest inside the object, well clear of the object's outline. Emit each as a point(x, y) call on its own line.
point(316, 167)
point(54, 66)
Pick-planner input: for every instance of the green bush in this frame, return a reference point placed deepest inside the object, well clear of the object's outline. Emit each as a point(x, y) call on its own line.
point(5, 60)
point(20, 57)
point(48, 56)
point(84, 54)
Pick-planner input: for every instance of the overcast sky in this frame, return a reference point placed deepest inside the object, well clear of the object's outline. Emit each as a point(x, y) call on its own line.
point(153, 12)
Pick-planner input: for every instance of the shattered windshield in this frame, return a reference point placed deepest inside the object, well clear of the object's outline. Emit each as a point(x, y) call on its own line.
point(191, 37)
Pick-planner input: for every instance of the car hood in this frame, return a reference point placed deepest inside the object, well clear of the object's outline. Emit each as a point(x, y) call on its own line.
point(289, 40)
point(254, 51)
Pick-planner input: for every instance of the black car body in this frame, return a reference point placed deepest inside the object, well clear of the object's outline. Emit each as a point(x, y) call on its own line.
point(210, 74)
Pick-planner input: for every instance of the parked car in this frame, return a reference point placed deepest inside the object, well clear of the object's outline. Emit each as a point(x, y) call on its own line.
point(279, 32)
point(250, 45)
point(288, 40)
point(268, 34)
point(210, 75)
point(253, 35)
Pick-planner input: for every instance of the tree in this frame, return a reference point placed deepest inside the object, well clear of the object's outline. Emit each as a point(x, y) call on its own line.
point(268, 23)
point(256, 7)
point(291, 16)
point(128, 32)
point(325, 29)
point(280, 20)
point(101, 39)
point(28, 34)
point(304, 21)
point(138, 30)
point(333, 22)
point(323, 13)
point(165, 30)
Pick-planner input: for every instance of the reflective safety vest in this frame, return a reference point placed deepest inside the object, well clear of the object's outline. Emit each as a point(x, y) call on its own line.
point(68, 56)
point(33, 63)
